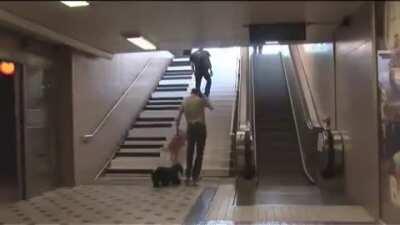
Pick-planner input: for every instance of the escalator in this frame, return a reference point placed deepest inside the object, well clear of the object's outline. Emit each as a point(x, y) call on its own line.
point(283, 168)
point(278, 158)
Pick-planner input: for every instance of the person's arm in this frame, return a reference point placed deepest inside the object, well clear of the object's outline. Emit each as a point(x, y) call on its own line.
point(178, 119)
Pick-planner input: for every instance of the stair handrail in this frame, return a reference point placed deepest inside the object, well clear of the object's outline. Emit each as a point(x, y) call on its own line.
point(312, 123)
point(88, 137)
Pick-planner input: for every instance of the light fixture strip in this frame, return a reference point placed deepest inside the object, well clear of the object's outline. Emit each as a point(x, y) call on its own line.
point(75, 3)
point(142, 43)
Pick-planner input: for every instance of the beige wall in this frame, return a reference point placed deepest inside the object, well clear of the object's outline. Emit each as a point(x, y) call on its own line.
point(97, 85)
point(58, 101)
point(357, 106)
point(318, 61)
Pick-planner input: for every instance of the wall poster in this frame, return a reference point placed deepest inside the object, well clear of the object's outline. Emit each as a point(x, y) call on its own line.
point(389, 88)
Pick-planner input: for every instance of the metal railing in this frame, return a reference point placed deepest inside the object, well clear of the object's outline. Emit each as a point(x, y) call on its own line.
point(100, 125)
point(234, 118)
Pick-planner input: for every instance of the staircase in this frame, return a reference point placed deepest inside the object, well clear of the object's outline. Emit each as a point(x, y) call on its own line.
point(140, 151)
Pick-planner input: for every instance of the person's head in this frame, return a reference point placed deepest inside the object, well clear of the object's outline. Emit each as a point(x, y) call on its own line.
point(196, 92)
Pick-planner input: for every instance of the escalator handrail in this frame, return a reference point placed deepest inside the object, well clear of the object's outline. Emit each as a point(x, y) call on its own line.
point(301, 150)
point(235, 106)
point(306, 106)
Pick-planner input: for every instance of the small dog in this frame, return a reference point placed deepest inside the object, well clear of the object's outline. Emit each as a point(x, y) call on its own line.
point(167, 175)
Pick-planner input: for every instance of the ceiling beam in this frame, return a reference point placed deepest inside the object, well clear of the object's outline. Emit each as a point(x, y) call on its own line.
point(51, 35)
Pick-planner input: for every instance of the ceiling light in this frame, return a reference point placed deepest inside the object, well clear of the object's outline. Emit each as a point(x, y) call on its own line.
point(142, 43)
point(75, 3)
point(271, 42)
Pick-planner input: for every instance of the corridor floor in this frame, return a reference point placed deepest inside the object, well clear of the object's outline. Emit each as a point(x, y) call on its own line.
point(141, 204)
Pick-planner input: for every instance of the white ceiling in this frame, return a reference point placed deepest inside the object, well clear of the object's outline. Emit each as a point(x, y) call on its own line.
point(177, 25)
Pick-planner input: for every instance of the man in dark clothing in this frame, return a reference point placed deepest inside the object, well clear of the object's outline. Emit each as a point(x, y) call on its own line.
point(200, 61)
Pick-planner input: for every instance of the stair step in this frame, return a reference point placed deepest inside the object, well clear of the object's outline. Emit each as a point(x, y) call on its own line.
point(155, 119)
point(177, 78)
point(133, 146)
point(169, 70)
point(180, 63)
point(164, 103)
point(166, 98)
point(161, 108)
point(152, 125)
point(137, 154)
point(178, 73)
point(172, 85)
point(171, 89)
point(145, 139)
point(180, 59)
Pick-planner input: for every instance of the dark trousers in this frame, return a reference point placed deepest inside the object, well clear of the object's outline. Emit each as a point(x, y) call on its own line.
point(196, 140)
point(207, 77)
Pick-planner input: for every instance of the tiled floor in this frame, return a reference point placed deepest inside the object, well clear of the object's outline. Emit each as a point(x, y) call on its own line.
point(105, 204)
point(223, 209)
point(139, 203)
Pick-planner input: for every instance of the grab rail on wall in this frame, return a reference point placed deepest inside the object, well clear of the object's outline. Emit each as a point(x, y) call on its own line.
point(88, 137)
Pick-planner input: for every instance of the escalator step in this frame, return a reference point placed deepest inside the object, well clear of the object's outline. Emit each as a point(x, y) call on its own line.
point(152, 125)
point(137, 154)
point(166, 98)
point(145, 139)
point(147, 146)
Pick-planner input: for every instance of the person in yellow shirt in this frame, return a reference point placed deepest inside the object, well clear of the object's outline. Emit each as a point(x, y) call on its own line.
point(193, 108)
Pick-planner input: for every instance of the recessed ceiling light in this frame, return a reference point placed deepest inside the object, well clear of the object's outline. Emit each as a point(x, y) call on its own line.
point(75, 3)
point(142, 43)
point(271, 42)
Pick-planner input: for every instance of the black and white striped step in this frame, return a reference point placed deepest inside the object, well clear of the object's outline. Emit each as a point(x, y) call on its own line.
point(152, 107)
point(187, 82)
point(166, 94)
point(170, 89)
point(164, 103)
point(151, 125)
point(165, 98)
point(145, 138)
point(179, 73)
point(177, 78)
point(180, 62)
point(155, 119)
point(172, 85)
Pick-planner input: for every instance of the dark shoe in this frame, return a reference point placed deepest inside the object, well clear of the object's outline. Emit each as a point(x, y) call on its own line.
point(187, 182)
point(195, 182)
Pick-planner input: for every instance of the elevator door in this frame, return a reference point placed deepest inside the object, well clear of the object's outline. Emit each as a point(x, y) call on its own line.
point(39, 134)
point(9, 185)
